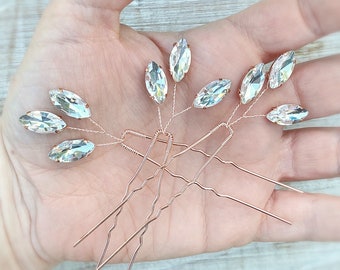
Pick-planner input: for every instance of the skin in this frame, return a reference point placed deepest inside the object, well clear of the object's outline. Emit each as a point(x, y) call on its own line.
point(80, 45)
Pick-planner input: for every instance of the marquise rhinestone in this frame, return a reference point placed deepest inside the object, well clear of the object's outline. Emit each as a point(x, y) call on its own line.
point(287, 114)
point(156, 82)
point(71, 150)
point(70, 103)
point(282, 69)
point(252, 83)
point(180, 60)
point(212, 93)
point(42, 122)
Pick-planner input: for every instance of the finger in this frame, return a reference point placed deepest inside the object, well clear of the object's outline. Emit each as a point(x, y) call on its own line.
point(98, 4)
point(276, 26)
point(97, 13)
point(257, 34)
point(314, 85)
point(314, 217)
point(311, 154)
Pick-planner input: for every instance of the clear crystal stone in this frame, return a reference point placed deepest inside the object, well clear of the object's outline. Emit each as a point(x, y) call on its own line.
point(70, 103)
point(287, 114)
point(180, 60)
point(42, 122)
point(155, 82)
point(71, 150)
point(252, 83)
point(212, 93)
point(282, 69)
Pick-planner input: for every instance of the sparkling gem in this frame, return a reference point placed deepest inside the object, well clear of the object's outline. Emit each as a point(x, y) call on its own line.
point(212, 93)
point(287, 114)
point(180, 59)
point(42, 122)
point(252, 83)
point(156, 82)
point(70, 103)
point(282, 69)
point(71, 150)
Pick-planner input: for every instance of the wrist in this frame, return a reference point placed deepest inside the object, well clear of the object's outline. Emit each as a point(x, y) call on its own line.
point(17, 251)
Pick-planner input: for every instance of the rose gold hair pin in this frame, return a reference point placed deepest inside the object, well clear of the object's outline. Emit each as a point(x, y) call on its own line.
point(251, 91)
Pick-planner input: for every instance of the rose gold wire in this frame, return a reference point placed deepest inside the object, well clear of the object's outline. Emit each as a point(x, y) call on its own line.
point(248, 171)
point(97, 125)
point(183, 111)
point(247, 117)
point(244, 116)
point(240, 168)
point(212, 131)
point(182, 177)
point(160, 118)
point(141, 237)
point(137, 134)
point(248, 109)
point(175, 196)
point(233, 113)
point(173, 107)
point(85, 130)
point(204, 137)
point(103, 130)
point(119, 209)
point(173, 112)
point(108, 144)
point(231, 132)
point(232, 163)
point(126, 191)
point(118, 141)
point(171, 200)
point(214, 190)
point(225, 162)
point(189, 183)
point(176, 115)
point(160, 177)
point(174, 101)
point(126, 197)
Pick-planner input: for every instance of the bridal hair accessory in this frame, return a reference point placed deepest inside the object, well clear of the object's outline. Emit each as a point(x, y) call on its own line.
point(254, 85)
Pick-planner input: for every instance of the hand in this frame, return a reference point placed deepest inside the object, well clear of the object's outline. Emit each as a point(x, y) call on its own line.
point(80, 45)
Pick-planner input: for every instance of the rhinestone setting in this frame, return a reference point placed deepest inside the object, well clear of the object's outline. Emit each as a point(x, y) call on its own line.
point(287, 114)
point(180, 60)
point(282, 69)
point(71, 150)
point(252, 83)
point(212, 94)
point(156, 82)
point(70, 103)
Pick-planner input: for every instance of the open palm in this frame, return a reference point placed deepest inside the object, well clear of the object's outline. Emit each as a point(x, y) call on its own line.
point(81, 46)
